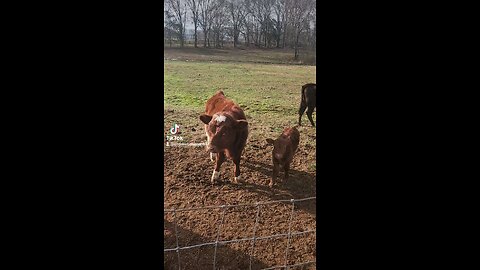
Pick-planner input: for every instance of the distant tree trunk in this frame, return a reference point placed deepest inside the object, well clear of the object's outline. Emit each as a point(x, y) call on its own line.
point(296, 46)
point(204, 39)
point(235, 36)
point(208, 39)
point(278, 40)
point(195, 26)
point(234, 40)
point(265, 38)
point(181, 37)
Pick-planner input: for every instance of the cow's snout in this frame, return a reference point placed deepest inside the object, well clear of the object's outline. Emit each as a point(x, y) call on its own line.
point(278, 156)
point(212, 149)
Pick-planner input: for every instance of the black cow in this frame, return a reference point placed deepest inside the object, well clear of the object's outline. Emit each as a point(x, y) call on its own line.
point(309, 100)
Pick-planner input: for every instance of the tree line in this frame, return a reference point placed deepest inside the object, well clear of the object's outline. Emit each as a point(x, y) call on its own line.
point(258, 23)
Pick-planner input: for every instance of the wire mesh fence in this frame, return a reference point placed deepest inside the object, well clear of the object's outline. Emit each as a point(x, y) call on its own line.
point(254, 238)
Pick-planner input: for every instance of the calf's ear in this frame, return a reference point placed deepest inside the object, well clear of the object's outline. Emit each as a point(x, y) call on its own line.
point(205, 118)
point(270, 141)
point(242, 123)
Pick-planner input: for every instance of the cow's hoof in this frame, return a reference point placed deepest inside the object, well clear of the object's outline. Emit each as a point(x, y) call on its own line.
point(211, 157)
point(236, 180)
point(215, 176)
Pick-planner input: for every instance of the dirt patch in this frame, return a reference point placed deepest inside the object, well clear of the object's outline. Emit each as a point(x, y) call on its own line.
point(187, 172)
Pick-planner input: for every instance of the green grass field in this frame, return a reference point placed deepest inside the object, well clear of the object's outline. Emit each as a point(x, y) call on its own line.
point(271, 92)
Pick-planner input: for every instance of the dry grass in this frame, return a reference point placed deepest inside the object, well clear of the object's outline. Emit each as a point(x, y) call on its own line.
point(241, 55)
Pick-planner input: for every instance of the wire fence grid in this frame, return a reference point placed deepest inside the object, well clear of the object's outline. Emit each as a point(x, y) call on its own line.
point(254, 238)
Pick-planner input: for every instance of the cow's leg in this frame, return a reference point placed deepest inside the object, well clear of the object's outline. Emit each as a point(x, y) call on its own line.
point(208, 143)
point(303, 107)
point(216, 171)
point(211, 154)
point(286, 168)
point(276, 168)
point(236, 172)
point(309, 114)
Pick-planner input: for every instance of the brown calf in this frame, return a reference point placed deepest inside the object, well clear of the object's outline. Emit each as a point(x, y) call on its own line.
point(283, 150)
point(227, 131)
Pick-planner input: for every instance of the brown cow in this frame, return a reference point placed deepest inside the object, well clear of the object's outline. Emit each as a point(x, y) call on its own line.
point(227, 131)
point(283, 150)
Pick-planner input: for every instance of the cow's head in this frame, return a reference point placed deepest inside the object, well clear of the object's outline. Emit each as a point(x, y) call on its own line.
point(222, 129)
point(280, 147)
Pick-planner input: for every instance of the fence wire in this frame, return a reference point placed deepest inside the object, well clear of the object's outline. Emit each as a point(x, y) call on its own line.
point(253, 238)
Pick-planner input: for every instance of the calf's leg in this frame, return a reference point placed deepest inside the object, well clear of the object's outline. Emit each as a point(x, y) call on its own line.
point(276, 169)
point(286, 168)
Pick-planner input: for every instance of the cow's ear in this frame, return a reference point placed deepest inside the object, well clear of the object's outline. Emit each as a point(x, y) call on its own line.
point(205, 118)
point(242, 123)
point(270, 141)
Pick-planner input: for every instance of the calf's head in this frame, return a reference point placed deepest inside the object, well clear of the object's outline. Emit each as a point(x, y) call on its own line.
point(280, 147)
point(222, 130)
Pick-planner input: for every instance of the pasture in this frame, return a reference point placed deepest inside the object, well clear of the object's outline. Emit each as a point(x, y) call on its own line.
point(269, 94)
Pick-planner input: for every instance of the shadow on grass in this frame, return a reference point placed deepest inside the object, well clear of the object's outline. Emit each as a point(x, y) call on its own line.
point(202, 257)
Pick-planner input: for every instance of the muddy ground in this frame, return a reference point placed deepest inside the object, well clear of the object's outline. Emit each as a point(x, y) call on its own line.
point(187, 172)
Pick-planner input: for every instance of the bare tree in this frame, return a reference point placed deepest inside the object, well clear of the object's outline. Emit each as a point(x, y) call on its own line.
point(314, 32)
point(267, 6)
point(219, 19)
point(237, 13)
point(265, 23)
point(195, 9)
point(278, 21)
point(205, 21)
point(168, 27)
point(262, 11)
point(248, 25)
point(178, 13)
point(301, 15)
